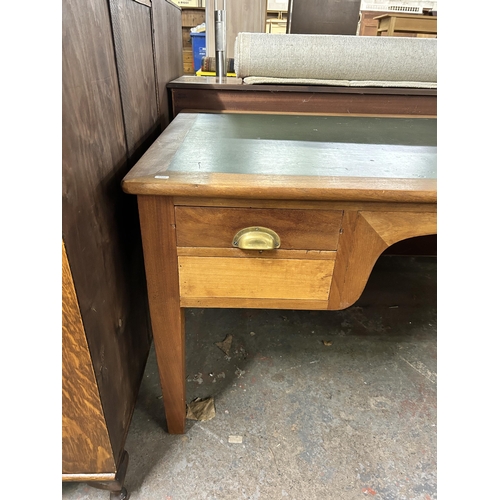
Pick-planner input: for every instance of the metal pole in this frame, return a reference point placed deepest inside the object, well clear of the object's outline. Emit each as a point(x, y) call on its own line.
point(220, 41)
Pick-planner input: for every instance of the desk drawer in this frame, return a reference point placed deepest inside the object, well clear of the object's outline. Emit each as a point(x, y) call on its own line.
point(298, 229)
point(212, 271)
point(255, 278)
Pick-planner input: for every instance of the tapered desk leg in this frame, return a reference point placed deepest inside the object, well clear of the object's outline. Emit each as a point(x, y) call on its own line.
point(157, 220)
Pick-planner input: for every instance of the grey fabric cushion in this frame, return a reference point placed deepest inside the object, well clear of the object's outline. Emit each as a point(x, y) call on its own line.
point(336, 60)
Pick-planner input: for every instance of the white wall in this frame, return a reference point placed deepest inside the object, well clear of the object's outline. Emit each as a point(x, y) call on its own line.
point(405, 5)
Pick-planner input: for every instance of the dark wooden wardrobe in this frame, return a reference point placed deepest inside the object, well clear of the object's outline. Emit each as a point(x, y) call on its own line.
point(117, 57)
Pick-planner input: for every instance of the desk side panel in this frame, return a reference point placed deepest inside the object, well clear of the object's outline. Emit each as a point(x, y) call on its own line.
point(364, 236)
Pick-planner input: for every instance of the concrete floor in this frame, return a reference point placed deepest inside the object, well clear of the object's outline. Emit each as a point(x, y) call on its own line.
point(329, 405)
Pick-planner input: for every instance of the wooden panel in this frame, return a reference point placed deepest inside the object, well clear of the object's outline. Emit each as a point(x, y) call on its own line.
point(369, 29)
point(241, 16)
point(303, 102)
point(294, 204)
point(368, 25)
point(99, 222)
point(238, 253)
point(85, 441)
point(395, 226)
point(255, 278)
point(186, 37)
point(192, 16)
point(359, 248)
point(167, 52)
point(363, 238)
point(109, 477)
point(239, 303)
point(333, 17)
point(167, 317)
point(233, 83)
point(298, 229)
point(134, 57)
point(426, 24)
point(188, 61)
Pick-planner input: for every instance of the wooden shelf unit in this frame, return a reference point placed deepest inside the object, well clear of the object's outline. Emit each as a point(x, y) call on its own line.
point(191, 17)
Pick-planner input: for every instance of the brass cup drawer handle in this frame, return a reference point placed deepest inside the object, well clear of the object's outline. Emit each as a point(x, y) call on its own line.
point(256, 238)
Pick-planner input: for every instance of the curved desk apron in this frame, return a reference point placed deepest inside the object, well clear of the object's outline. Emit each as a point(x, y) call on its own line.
point(273, 211)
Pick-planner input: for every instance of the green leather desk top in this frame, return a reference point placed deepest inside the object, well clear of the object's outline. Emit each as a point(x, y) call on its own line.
point(309, 145)
point(212, 154)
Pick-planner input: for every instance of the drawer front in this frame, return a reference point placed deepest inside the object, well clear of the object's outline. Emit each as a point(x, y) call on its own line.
point(298, 229)
point(254, 278)
point(211, 269)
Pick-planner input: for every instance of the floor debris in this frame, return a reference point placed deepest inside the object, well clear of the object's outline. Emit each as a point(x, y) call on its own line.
point(225, 345)
point(201, 409)
point(197, 377)
point(235, 439)
point(327, 342)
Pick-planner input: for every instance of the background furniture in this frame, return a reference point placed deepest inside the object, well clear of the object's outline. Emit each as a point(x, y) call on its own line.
point(191, 17)
point(277, 13)
point(367, 24)
point(397, 24)
point(241, 15)
point(117, 57)
point(367, 86)
point(328, 17)
point(335, 191)
point(208, 94)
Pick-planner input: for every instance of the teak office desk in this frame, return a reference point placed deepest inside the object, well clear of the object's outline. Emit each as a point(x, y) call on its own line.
point(273, 211)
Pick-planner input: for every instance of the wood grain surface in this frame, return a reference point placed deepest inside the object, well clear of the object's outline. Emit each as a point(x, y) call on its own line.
point(167, 39)
point(282, 187)
point(99, 222)
point(256, 254)
point(300, 204)
point(249, 303)
point(279, 101)
point(396, 226)
point(297, 229)
point(233, 83)
point(158, 238)
point(134, 58)
point(363, 238)
point(85, 442)
point(255, 278)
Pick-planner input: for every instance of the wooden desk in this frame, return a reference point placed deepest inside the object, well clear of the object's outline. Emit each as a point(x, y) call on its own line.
point(337, 191)
point(393, 23)
point(189, 93)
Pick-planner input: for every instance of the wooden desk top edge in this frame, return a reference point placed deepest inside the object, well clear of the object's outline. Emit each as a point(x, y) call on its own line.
point(231, 83)
point(405, 15)
point(150, 176)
